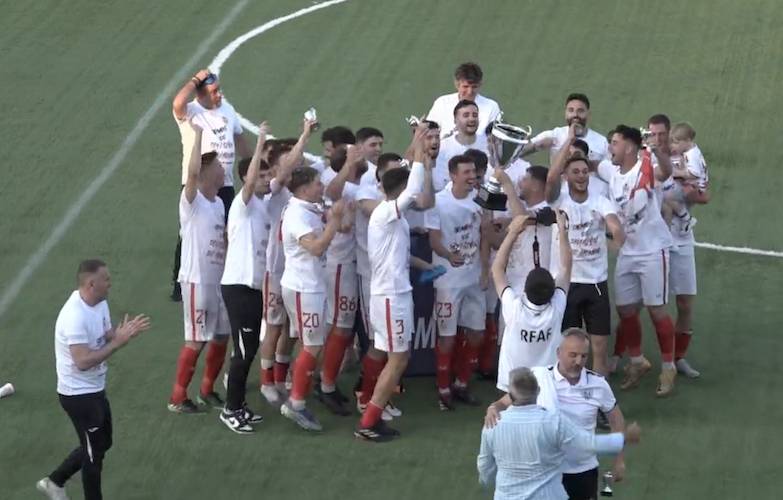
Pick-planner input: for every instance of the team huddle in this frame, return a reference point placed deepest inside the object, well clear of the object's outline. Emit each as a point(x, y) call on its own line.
point(312, 249)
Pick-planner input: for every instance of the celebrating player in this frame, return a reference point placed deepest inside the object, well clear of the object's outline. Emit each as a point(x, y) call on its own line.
point(466, 118)
point(468, 79)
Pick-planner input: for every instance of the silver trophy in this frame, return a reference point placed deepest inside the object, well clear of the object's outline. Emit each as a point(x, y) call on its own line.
point(413, 120)
point(646, 135)
point(311, 115)
point(505, 143)
point(607, 480)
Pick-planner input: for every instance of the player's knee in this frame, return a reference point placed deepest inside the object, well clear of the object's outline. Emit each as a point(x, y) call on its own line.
point(657, 312)
point(445, 344)
point(628, 311)
point(196, 346)
point(684, 304)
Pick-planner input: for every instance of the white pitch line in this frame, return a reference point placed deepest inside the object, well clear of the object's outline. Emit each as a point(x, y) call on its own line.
point(745, 250)
point(40, 255)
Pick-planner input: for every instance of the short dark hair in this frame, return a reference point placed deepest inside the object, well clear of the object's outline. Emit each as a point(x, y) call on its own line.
point(394, 180)
point(431, 125)
point(538, 173)
point(338, 135)
point(577, 96)
point(632, 134)
point(582, 146)
point(244, 165)
point(575, 158)
point(88, 266)
point(383, 163)
point(479, 159)
point(455, 161)
point(470, 72)
point(365, 133)
point(301, 176)
point(207, 159)
point(464, 103)
point(660, 119)
point(539, 286)
point(278, 150)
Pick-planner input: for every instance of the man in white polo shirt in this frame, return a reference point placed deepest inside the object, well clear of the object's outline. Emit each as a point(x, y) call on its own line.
point(222, 134)
point(578, 393)
point(83, 340)
point(468, 79)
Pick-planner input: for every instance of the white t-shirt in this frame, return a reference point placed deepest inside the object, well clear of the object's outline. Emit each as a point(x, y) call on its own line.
point(459, 221)
point(80, 323)
point(365, 192)
point(220, 125)
point(442, 112)
point(645, 230)
point(304, 272)
point(248, 237)
point(342, 249)
point(202, 228)
point(520, 259)
point(276, 201)
point(389, 240)
point(580, 403)
point(587, 235)
point(599, 147)
point(450, 148)
point(368, 178)
point(532, 333)
point(697, 166)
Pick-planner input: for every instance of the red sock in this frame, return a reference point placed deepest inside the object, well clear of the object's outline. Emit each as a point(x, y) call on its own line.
point(280, 372)
point(268, 375)
point(186, 366)
point(619, 342)
point(443, 368)
point(489, 345)
point(681, 341)
point(371, 369)
point(334, 352)
point(371, 415)
point(469, 362)
point(458, 357)
point(216, 355)
point(631, 332)
point(664, 330)
point(304, 366)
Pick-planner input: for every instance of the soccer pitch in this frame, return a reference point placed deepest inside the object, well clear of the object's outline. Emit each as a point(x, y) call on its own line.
point(81, 76)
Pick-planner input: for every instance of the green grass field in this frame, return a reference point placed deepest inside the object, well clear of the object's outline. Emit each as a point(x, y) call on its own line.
point(79, 75)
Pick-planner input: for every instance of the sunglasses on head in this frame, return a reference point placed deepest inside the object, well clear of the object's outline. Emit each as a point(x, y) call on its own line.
point(209, 80)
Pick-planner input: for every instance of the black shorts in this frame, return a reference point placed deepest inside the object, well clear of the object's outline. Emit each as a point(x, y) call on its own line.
point(588, 306)
point(582, 485)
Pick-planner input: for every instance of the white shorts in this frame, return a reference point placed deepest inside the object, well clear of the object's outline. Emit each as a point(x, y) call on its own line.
point(642, 278)
point(364, 290)
point(274, 310)
point(343, 297)
point(204, 312)
point(491, 296)
point(392, 321)
point(682, 273)
point(308, 316)
point(465, 307)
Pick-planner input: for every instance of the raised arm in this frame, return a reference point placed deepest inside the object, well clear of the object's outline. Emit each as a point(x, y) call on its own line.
point(334, 191)
point(294, 157)
point(664, 169)
point(564, 274)
point(514, 203)
point(554, 177)
point(426, 199)
point(194, 165)
point(544, 140)
point(501, 258)
point(252, 170)
point(180, 103)
point(317, 245)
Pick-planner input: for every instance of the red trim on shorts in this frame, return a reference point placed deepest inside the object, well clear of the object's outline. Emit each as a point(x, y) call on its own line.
point(337, 293)
point(299, 314)
point(389, 325)
point(193, 312)
point(665, 275)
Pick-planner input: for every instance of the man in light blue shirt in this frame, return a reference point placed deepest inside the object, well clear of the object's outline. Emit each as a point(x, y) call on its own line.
point(523, 453)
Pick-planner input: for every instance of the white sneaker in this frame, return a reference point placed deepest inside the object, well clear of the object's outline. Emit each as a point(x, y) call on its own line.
point(393, 410)
point(51, 490)
point(686, 369)
point(272, 395)
point(385, 416)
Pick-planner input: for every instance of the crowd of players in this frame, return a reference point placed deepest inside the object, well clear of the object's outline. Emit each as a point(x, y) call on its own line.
point(316, 250)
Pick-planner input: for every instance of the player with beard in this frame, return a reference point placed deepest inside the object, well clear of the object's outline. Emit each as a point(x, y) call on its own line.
point(466, 118)
point(455, 237)
point(642, 272)
point(590, 217)
point(468, 79)
point(331, 139)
